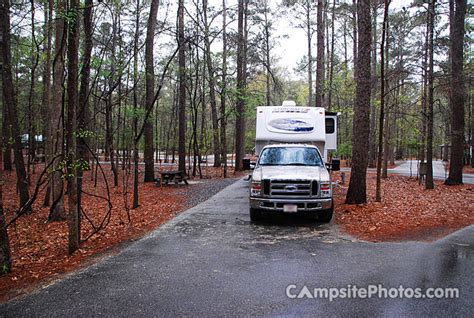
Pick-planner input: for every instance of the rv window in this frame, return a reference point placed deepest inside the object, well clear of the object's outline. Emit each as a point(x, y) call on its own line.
point(329, 125)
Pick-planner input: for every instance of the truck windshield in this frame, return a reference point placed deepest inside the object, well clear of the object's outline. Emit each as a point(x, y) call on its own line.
point(290, 156)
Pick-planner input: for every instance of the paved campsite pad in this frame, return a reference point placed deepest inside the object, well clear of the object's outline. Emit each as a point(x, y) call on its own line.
point(211, 260)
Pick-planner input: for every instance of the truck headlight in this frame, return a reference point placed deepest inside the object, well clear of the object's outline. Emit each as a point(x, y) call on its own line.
point(255, 188)
point(325, 189)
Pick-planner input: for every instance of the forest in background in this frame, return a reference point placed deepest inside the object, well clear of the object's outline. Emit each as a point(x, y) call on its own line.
point(111, 84)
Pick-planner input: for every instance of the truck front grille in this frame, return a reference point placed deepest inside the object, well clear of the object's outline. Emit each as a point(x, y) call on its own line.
point(293, 188)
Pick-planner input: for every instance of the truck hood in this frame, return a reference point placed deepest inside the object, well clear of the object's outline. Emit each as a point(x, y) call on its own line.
point(291, 173)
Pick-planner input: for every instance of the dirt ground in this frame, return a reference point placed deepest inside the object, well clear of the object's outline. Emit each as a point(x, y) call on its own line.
point(407, 210)
point(39, 248)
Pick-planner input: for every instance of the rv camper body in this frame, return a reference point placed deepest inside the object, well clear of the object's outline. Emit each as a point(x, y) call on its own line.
point(296, 124)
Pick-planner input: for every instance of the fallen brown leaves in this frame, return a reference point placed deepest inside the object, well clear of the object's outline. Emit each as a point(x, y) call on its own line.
point(407, 210)
point(39, 248)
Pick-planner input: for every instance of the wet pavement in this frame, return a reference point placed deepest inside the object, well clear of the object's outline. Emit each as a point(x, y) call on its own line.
point(440, 170)
point(211, 260)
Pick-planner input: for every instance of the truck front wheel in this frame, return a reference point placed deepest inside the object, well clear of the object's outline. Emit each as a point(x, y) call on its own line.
point(255, 215)
point(325, 216)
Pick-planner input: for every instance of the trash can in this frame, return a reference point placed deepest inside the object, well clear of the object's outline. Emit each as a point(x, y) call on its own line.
point(246, 164)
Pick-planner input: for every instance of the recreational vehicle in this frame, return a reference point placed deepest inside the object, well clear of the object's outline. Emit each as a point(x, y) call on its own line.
point(291, 175)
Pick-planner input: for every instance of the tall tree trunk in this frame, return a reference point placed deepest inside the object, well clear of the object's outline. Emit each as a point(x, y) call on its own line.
point(82, 111)
point(354, 33)
point(429, 184)
point(46, 94)
point(5, 259)
point(378, 189)
point(10, 101)
point(224, 88)
point(135, 202)
point(150, 92)
point(309, 37)
point(458, 94)
point(331, 59)
point(267, 55)
point(212, 89)
point(182, 90)
point(6, 132)
point(320, 58)
point(74, 223)
point(240, 102)
point(32, 94)
point(57, 212)
point(424, 99)
point(373, 108)
point(109, 126)
point(357, 192)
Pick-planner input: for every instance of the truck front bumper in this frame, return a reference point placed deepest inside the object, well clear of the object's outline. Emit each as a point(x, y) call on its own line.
point(304, 205)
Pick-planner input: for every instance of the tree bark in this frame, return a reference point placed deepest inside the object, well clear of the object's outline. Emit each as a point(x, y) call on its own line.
point(182, 90)
point(150, 92)
point(240, 102)
point(458, 94)
point(224, 88)
point(10, 101)
point(57, 212)
point(135, 203)
point(7, 149)
point(5, 259)
point(354, 32)
point(309, 36)
point(331, 59)
point(378, 190)
point(74, 223)
point(429, 184)
point(46, 94)
point(320, 58)
point(83, 113)
point(360, 137)
point(373, 108)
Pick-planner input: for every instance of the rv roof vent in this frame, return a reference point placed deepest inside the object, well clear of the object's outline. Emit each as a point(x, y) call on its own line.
point(288, 103)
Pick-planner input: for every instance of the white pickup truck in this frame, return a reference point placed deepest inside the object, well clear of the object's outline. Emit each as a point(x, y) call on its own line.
point(290, 175)
point(291, 178)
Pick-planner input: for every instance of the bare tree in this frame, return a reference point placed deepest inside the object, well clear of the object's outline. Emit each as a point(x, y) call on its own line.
point(357, 192)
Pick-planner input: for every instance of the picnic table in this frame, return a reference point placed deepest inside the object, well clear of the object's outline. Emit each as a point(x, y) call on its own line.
point(173, 176)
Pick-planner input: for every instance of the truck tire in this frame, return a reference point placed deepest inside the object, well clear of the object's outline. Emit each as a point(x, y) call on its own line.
point(255, 215)
point(325, 216)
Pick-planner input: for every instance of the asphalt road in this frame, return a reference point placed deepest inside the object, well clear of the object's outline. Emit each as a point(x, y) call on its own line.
point(440, 170)
point(211, 261)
